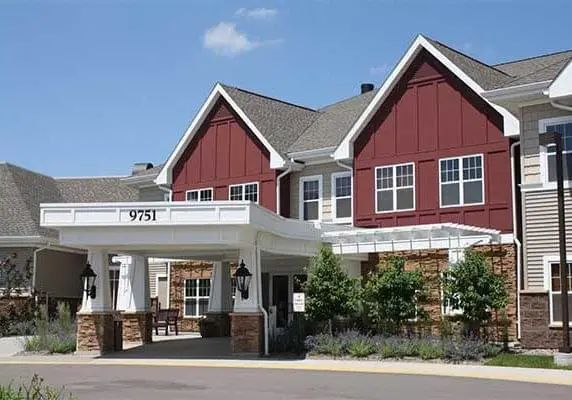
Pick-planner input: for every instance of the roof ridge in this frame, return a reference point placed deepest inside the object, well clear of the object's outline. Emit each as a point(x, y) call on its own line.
point(533, 57)
point(57, 178)
point(321, 109)
point(9, 164)
point(470, 57)
point(268, 97)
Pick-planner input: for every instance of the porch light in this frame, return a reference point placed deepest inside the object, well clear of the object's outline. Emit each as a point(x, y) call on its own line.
point(243, 277)
point(88, 278)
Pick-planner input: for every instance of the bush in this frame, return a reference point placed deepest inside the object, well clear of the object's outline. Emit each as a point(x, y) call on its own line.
point(361, 348)
point(36, 389)
point(53, 336)
point(468, 350)
point(291, 340)
point(325, 344)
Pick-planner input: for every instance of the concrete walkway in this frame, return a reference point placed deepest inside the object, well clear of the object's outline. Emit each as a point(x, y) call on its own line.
point(11, 345)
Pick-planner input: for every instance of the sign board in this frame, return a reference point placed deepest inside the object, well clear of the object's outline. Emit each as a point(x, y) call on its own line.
point(299, 302)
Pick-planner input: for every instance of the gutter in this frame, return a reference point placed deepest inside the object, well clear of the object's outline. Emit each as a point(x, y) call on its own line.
point(513, 92)
point(516, 241)
point(554, 104)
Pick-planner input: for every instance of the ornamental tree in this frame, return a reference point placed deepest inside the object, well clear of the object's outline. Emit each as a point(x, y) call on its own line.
point(330, 292)
point(472, 286)
point(392, 295)
point(13, 279)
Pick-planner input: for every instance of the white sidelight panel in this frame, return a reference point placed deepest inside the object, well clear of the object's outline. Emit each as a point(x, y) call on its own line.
point(133, 293)
point(102, 303)
point(252, 304)
point(221, 296)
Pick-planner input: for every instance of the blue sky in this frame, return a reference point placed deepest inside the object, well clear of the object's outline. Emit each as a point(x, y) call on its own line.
point(89, 87)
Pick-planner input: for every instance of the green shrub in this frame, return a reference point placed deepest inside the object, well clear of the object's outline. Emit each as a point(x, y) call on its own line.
point(361, 348)
point(53, 336)
point(429, 350)
point(36, 389)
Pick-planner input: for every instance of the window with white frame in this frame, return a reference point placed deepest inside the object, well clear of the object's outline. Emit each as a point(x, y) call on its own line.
point(395, 188)
point(197, 292)
point(555, 285)
point(342, 196)
point(244, 191)
point(200, 195)
point(461, 180)
point(114, 284)
point(311, 198)
point(563, 126)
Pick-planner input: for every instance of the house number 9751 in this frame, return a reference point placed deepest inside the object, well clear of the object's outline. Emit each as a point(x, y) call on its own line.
point(143, 215)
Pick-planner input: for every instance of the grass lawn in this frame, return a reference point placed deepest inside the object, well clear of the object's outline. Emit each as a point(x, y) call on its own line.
point(524, 361)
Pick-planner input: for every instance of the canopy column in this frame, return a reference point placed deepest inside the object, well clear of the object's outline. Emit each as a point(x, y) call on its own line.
point(217, 322)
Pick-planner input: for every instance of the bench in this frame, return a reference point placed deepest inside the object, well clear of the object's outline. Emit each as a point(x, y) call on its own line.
point(166, 318)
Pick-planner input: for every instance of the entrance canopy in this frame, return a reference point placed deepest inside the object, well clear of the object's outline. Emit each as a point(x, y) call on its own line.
point(179, 228)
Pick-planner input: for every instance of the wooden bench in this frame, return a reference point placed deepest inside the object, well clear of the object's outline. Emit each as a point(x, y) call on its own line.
point(166, 318)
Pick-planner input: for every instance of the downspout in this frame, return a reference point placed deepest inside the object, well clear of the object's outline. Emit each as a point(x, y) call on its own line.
point(554, 104)
point(278, 179)
point(516, 240)
point(259, 295)
point(35, 265)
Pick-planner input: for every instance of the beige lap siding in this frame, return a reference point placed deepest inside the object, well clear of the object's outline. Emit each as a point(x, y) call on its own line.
point(326, 170)
point(155, 270)
point(58, 273)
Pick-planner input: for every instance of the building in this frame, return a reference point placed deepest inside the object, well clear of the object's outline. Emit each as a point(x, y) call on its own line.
point(423, 167)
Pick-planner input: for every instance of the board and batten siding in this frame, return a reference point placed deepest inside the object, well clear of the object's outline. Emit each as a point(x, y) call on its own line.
point(529, 138)
point(326, 171)
point(156, 269)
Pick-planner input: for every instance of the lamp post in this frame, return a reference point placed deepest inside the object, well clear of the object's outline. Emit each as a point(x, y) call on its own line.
point(546, 139)
point(88, 278)
point(243, 276)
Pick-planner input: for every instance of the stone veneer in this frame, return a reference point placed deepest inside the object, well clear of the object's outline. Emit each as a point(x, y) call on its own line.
point(95, 332)
point(432, 262)
point(247, 332)
point(535, 320)
point(179, 273)
point(137, 327)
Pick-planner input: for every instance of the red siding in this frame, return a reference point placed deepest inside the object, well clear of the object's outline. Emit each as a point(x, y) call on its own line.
point(222, 153)
point(431, 115)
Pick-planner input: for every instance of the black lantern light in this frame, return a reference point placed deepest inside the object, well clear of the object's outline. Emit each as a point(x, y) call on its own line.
point(243, 277)
point(88, 279)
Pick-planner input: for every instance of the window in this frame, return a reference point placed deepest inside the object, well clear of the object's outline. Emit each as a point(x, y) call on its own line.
point(563, 126)
point(197, 292)
point(395, 188)
point(342, 196)
point(114, 285)
point(311, 198)
point(200, 195)
point(461, 181)
point(455, 255)
point(245, 191)
point(556, 290)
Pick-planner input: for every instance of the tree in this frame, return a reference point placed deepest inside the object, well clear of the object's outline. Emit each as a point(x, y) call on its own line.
point(13, 279)
point(330, 292)
point(392, 295)
point(472, 286)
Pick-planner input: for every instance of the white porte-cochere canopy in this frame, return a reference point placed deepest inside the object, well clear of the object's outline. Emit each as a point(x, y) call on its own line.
point(172, 227)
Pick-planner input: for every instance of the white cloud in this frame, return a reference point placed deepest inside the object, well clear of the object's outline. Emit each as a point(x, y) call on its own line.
point(225, 40)
point(257, 13)
point(379, 70)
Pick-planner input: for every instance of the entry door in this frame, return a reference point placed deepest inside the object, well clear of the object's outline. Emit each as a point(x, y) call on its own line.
point(162, 288)
point(280, 299)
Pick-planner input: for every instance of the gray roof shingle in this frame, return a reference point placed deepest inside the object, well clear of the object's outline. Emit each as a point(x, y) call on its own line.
point(22, 192)
point(524, 67)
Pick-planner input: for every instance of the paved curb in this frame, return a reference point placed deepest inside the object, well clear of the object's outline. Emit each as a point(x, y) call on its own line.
point(529, 375)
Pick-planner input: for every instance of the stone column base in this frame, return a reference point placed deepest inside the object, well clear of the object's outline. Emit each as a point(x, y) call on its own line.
point(137, 327)
point(247, 332)
point(95, 332)
point(215, 325)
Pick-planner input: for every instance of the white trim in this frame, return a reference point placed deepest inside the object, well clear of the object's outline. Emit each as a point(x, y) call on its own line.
point(393, 188)
point(301, 196)
point(514, 92)
point(543, 154)
point(461, 181)
point(26, 241)
point(198, 297)
point(313, 155)
point(198, 195)
point(561, 86)
point(334, 197)
point(345, 148)
point(547, 260)
point(243, 185)
point(157, 286)
point(165, 176)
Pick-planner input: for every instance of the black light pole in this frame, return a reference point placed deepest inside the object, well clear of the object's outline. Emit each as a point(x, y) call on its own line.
point(554, 138)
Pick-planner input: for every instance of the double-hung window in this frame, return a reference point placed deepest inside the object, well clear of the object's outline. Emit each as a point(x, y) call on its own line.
point(461, 181)
point(555, 285)
point(244, 191)
point(311, 198)
point(200, 195)
point(563, 126)
point(395, 188)
point(197, 292)
point(342, 196)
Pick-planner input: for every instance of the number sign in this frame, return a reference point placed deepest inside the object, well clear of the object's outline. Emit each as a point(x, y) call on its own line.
point(143, 215)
